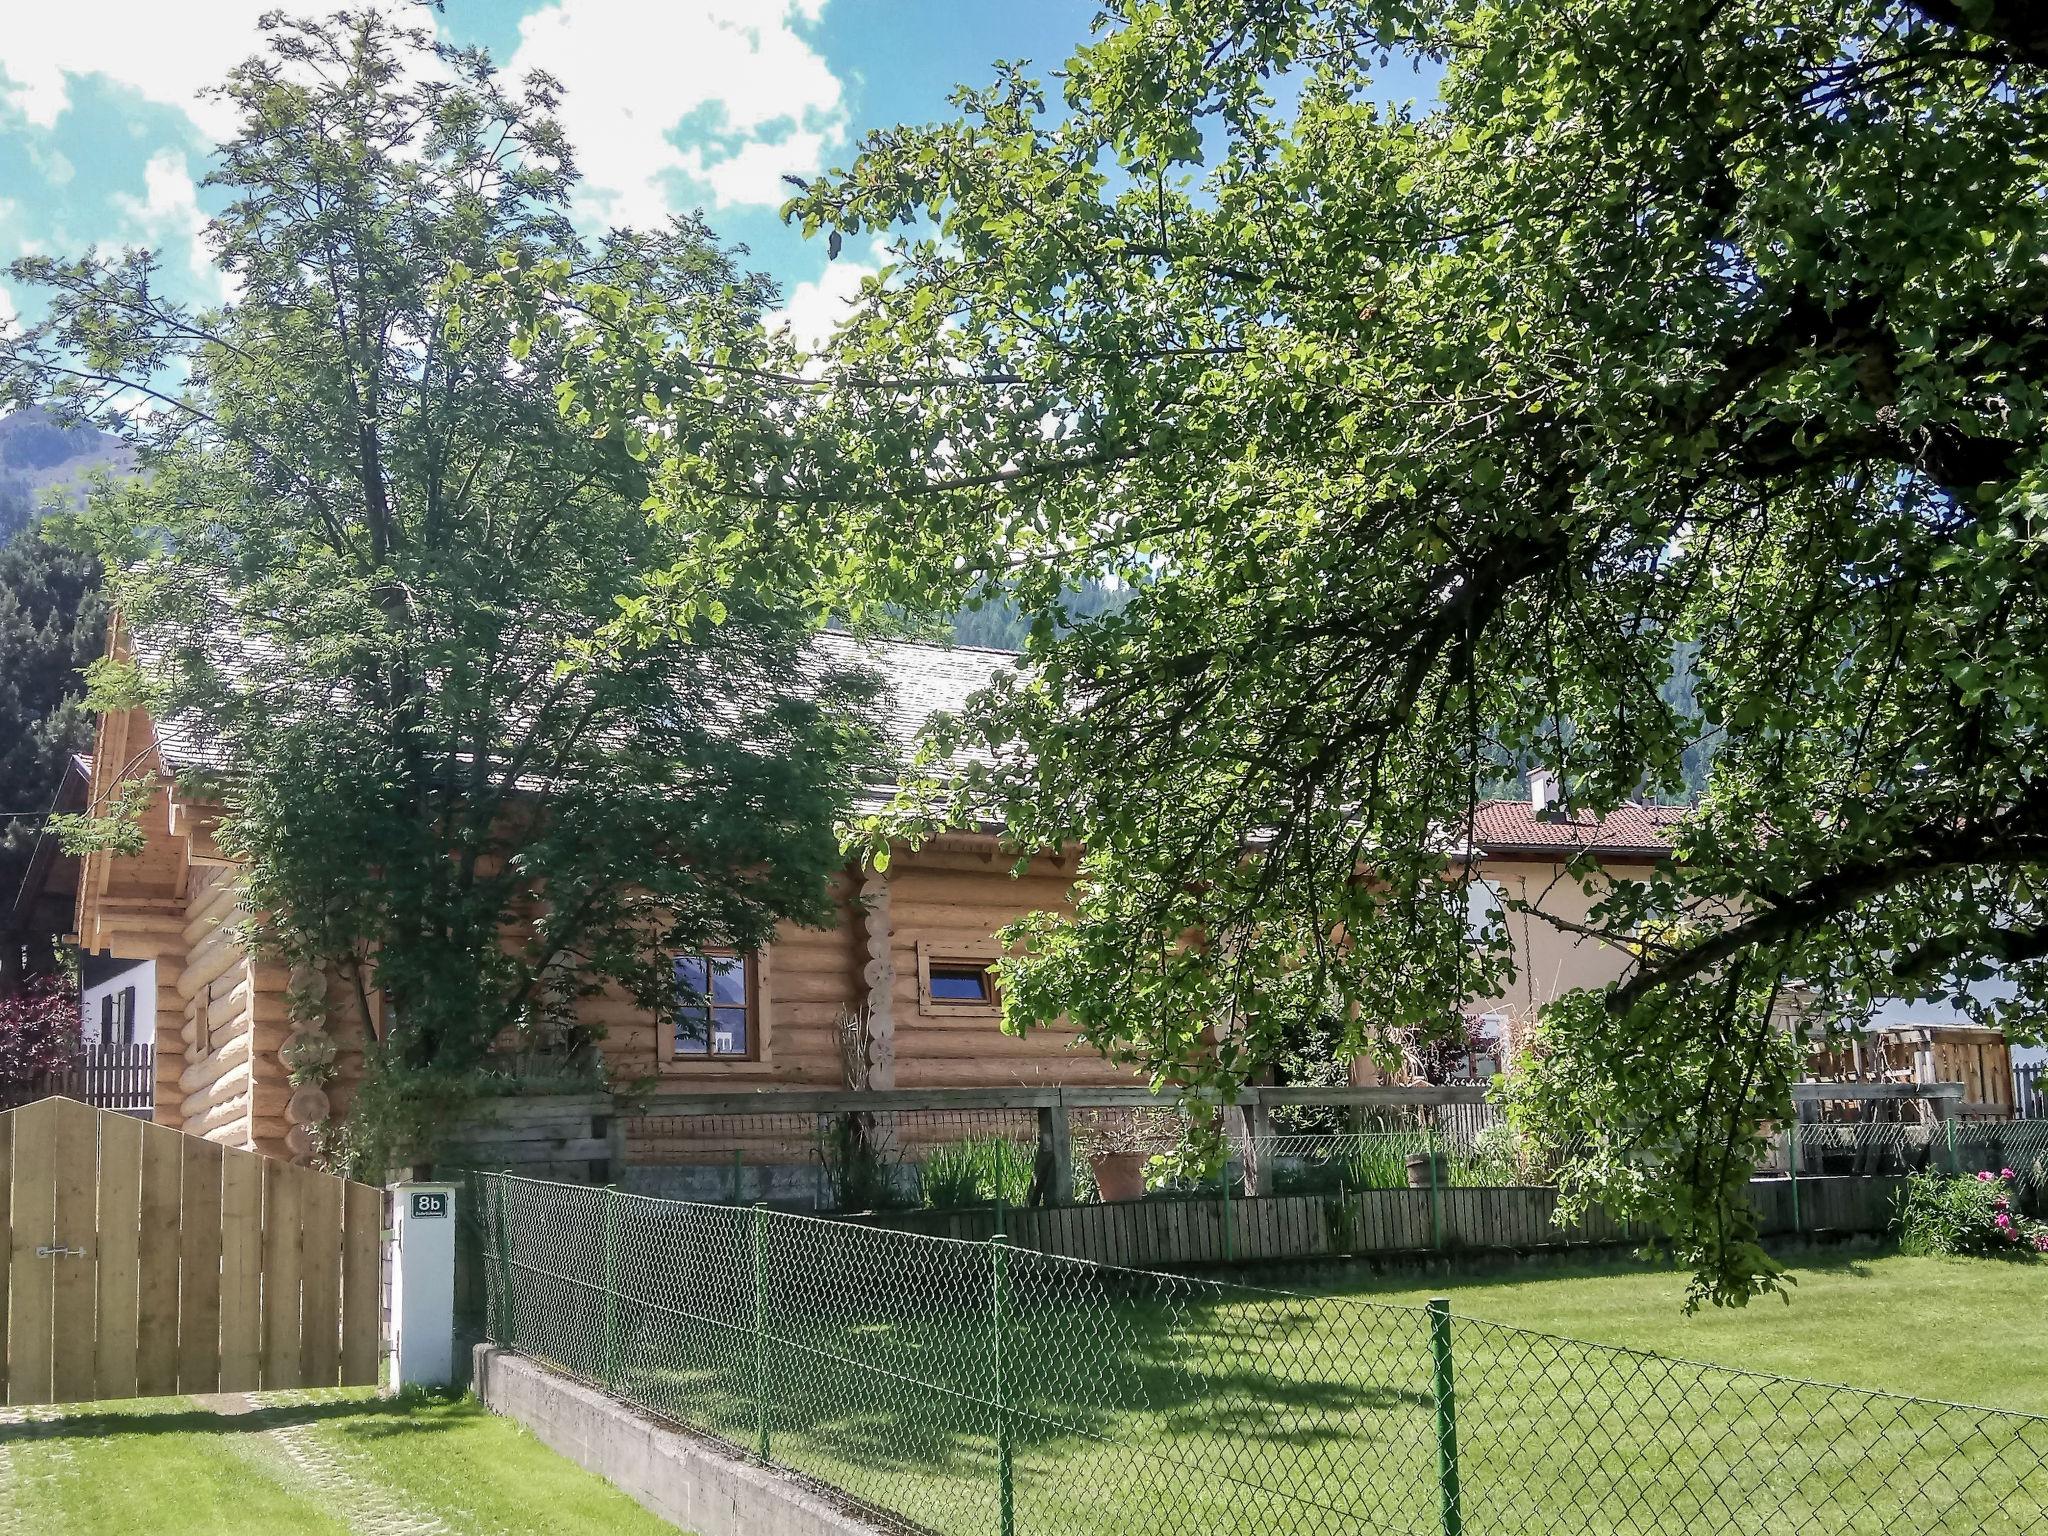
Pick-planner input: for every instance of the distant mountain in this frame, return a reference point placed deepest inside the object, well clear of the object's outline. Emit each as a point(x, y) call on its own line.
point(39, 454)
point(1001, 624)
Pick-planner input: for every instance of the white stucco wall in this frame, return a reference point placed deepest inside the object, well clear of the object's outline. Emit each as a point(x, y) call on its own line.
point(140, 979)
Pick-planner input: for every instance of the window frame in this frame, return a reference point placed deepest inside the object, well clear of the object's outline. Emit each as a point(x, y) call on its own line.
point(756, 972)
point(980, 953)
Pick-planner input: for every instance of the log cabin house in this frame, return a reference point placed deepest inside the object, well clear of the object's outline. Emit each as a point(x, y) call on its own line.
point(908, 954)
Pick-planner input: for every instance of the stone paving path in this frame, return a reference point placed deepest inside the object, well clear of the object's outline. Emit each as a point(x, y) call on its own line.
point(16, 1425)
point(367, 1505)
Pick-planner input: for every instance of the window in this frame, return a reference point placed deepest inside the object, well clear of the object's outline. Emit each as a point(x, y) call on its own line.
point(958, 980)
point(716, 1001)
point(962, 981)
point(117, 1017)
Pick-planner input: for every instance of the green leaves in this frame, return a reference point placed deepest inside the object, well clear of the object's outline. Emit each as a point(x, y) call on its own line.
point(492, 736)
point(1429, 440)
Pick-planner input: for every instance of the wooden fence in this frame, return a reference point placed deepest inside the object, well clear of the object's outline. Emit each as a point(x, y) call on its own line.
point(2030, 1091)
point(575, 1138)
point(117, 1077)
point(1175, 1231)
point(143, 1262)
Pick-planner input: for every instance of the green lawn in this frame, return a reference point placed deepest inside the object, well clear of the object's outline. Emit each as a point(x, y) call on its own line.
point(312, 1464)
point(1170, 1408)
point(1967, 1330)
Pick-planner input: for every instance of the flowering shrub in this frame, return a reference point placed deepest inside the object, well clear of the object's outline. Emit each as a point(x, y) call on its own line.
point(38, 1030)
point(1964, 1213)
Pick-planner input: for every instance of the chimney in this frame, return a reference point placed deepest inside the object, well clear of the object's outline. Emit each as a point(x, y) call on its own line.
point(1546, 791)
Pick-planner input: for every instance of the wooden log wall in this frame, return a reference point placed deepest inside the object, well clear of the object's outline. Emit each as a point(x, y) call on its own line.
point(812, 977)
point(954, 895)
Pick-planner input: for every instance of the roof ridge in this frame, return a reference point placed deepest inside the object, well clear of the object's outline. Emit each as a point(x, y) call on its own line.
point(927, 645)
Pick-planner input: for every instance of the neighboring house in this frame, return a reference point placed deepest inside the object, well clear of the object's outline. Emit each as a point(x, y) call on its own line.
point(116, 1002)
point(1524, 848)
point(1521, 850)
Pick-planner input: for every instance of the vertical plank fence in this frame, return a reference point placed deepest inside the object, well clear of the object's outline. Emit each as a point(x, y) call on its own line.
point(2030, 1091)
point(119, 1077)
point(142, 1262)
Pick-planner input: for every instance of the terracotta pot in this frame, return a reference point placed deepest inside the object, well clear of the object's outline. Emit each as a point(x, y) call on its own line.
point(1119, 1175)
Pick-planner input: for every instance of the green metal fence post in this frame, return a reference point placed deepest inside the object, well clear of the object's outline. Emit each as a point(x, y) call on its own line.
point(761, 1329)
point(1448, 1498)
point(1006, 1491)
point(511, 1322)
point(1954, 1165)
point(611, 1288)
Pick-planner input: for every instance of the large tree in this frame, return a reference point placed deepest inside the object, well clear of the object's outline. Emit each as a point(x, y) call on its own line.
point(1426, 438)
point(52, 624)
point(375, 573)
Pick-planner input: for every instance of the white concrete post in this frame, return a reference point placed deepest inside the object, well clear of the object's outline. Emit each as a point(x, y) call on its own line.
point(422, 1285)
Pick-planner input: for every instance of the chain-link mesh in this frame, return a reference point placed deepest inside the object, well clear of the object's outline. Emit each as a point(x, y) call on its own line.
point(1893, 1148)
point(964, 1388)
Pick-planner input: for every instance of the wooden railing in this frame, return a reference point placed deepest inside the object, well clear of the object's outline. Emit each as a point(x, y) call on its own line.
point(119, 1077)
point(584, 1137)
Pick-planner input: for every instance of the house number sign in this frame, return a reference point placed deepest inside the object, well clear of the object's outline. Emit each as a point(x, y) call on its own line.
point(429, 1204)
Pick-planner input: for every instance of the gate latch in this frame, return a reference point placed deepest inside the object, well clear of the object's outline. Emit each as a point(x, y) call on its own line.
point(45, 1251)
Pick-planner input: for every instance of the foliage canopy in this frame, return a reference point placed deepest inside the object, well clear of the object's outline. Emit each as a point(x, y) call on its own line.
point(374, 575)
point(1426, 439)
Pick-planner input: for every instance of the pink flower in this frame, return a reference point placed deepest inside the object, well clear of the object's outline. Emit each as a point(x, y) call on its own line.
point(2005, 1173)
point(2002, 1204)
point(2002, 1219)
point(1983, 1178)
point(2041, 1242)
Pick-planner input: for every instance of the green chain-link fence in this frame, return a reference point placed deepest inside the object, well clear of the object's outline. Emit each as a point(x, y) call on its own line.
point(978, 1388)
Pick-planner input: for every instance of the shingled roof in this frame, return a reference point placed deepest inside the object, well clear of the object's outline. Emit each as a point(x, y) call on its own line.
point(919, 679)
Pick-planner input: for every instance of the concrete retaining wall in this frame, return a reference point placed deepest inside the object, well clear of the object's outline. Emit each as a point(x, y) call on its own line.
point(690, 1482)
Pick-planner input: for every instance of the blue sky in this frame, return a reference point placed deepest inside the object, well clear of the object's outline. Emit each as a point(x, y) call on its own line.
point(671, 104)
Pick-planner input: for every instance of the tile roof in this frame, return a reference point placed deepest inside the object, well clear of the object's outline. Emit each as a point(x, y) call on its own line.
point(1512, 826)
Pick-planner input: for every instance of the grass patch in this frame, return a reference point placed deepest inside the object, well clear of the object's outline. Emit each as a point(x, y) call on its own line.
point(1965, 1330)
point(314, 1464)
point(1156, 1407)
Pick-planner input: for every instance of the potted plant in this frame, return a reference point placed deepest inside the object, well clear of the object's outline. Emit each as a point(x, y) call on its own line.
point(1118, 1143)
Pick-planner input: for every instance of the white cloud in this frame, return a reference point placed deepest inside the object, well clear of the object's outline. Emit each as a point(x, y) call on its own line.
point(814, 309)
point(54, 165)
point(166, 53)
point(633, 73)
point(168, 209)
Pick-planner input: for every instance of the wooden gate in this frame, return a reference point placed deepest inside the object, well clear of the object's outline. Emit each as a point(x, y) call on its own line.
point(143, 1262)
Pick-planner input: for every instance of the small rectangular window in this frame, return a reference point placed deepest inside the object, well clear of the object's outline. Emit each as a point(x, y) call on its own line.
point(125, 1019)
point(107, 1018)
point(962, 981)
point(714, 1005)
